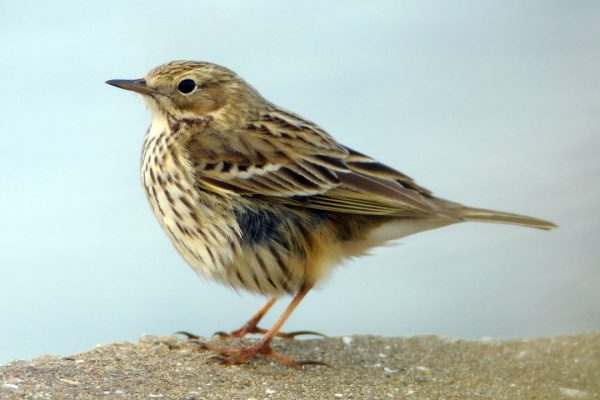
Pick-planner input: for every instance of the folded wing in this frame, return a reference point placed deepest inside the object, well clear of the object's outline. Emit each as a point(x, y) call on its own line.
point(292, 161)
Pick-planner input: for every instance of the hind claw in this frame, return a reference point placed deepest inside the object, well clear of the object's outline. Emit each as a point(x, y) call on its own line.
point(188, 335)
point(292, 335)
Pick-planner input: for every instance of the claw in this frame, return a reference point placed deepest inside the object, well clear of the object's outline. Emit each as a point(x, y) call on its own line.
point(240, 333)
point(292, 335)
point(188, 335)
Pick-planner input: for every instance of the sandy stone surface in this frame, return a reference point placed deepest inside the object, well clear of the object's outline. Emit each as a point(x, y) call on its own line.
point(365, 367)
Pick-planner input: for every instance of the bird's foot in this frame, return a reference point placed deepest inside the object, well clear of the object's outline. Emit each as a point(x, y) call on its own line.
point(236, 356)
point(255, 330)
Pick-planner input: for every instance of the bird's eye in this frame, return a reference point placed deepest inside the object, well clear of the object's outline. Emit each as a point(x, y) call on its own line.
point(186, 86)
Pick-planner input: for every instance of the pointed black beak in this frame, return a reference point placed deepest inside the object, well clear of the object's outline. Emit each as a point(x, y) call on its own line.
point(135, 85)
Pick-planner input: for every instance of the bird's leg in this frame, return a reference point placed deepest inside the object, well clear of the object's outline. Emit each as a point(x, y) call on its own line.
point(229, 355)
point(251, 326)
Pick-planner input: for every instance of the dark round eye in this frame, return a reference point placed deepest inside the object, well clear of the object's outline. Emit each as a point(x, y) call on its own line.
point(186, 86)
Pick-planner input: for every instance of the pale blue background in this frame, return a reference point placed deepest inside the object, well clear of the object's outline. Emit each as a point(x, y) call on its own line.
point(495, 104)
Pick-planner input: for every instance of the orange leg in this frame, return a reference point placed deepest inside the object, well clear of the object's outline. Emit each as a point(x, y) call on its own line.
point(251, 327)
point(230, 355)
point(248, 328)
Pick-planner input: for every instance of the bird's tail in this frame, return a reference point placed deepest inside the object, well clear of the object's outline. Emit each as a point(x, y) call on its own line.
point(482, 215)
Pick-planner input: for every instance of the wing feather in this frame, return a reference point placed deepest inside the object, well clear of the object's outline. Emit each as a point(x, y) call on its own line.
point(283, 157)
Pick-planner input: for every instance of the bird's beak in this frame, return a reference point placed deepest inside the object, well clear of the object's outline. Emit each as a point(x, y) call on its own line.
point(136, 85)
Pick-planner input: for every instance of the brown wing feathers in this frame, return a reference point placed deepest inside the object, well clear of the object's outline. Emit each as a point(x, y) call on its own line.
point(291, 159)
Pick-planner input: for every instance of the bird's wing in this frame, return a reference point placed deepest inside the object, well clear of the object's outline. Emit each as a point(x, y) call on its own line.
point(289, 160)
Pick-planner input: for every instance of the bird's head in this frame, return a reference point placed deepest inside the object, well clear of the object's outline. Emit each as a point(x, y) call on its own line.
point(188, 90)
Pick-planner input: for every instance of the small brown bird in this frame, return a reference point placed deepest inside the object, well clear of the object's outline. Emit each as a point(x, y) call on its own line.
point(261, 199)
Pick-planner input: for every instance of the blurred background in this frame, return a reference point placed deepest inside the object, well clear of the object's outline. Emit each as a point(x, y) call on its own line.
point(493, 104)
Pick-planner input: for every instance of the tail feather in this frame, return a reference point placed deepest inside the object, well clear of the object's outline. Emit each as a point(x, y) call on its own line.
point(457, 210)
point(482, 215)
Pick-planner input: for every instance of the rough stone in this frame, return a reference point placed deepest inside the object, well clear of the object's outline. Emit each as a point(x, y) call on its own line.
point(363, 367)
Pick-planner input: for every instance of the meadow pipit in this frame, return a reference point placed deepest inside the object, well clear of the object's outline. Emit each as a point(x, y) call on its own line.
point(261, 199)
